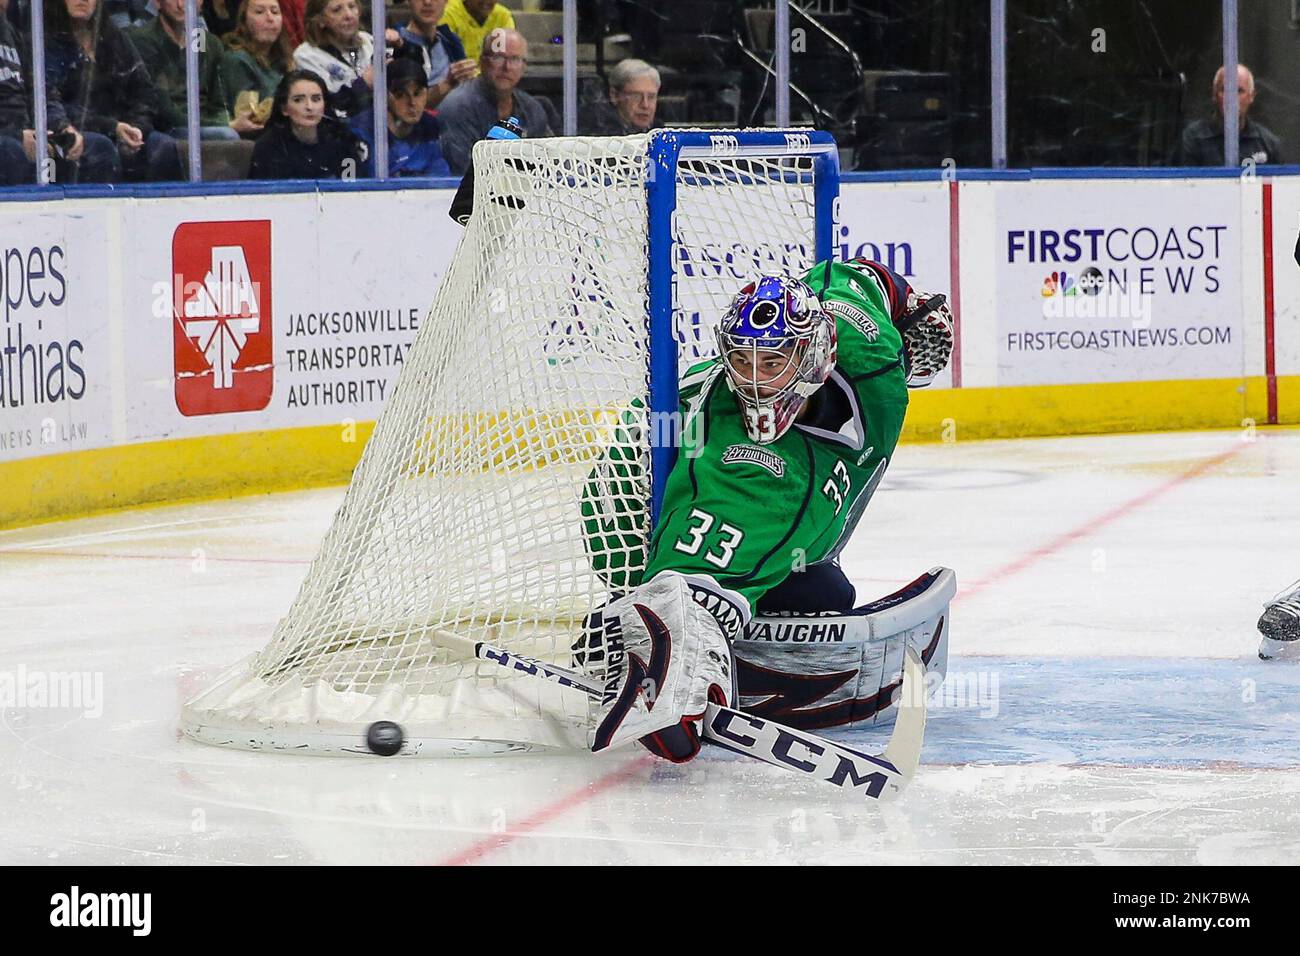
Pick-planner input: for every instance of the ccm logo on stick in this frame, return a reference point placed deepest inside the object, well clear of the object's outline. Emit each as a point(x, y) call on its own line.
point(779, 745)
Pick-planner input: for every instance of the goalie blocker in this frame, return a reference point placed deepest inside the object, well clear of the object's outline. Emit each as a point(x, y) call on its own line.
point(666, 655)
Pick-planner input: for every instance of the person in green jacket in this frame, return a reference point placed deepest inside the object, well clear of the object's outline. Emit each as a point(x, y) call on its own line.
point(258, 55)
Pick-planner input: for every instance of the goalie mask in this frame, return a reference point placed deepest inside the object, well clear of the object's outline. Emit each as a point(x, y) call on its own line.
point(778, 346)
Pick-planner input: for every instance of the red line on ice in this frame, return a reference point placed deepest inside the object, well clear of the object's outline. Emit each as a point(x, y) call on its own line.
point(1095, 524)
point(538, 819)
point(546, 814)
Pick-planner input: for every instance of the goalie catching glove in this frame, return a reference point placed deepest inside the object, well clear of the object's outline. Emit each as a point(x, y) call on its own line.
point(927, 329)
point(667, 652)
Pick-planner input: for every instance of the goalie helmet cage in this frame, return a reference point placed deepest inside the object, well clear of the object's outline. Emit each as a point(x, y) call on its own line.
point(589, 276)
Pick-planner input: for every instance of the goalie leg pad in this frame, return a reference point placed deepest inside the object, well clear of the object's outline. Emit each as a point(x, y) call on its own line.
point(666, 655)
point(830, 669)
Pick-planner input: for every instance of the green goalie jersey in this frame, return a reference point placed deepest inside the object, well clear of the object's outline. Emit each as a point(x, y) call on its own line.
point(747, 514)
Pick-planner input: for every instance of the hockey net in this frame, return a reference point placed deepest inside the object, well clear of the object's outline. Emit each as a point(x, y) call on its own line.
point(464, 515)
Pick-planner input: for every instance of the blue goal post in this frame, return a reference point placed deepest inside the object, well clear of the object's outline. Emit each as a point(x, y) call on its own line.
point(666, 151)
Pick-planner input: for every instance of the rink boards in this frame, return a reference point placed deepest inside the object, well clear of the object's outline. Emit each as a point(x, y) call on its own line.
point(169, 343)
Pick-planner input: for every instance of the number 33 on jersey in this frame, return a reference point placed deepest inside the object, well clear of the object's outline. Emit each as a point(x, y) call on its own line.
point(748, 512)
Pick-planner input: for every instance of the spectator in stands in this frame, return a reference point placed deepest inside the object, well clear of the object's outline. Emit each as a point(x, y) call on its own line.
point(1202, 140)
point(301, 141)
point(469, 111)
point(78, 157)
point(161, 44)
point(94, 70)
point(438, 49)
point(633, 99)
point(258, 55)
point(341, 53)
point(412, 133)
point(224, 23)
point(474, 20)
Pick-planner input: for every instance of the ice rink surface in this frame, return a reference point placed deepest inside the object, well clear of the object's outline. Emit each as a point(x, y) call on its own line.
point(1112, 706)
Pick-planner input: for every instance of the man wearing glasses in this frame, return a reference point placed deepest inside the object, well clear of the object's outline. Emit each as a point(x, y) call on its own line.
point(633, 99)
point(473, 108)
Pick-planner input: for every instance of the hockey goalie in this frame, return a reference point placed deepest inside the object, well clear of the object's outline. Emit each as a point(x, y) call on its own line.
point(784, 438)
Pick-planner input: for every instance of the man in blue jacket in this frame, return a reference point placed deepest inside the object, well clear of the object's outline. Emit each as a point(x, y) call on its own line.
point(413, 148)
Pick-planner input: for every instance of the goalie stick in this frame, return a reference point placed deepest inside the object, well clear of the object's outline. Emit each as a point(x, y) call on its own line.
point(798, 751)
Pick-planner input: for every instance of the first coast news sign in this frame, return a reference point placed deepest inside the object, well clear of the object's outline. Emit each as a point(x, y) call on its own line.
point(1141, 282)
point(126, 321)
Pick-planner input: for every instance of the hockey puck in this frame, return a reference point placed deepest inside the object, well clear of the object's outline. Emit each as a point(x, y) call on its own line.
point(384, 738)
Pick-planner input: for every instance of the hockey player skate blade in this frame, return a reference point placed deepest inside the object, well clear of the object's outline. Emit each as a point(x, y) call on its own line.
point(1279, 623)
point(1272, 650)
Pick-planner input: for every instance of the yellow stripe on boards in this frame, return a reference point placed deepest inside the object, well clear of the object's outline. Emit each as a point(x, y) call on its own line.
point(1288, 399)
point(53, 487)
point(512, 441)
point(1040, 410)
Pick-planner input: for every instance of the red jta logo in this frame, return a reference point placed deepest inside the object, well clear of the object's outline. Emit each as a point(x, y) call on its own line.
point(221, 316)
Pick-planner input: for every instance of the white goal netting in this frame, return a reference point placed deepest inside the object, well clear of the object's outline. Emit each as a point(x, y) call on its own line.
point(465, 514)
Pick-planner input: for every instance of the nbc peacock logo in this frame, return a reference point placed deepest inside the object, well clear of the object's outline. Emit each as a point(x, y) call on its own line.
point(1091, 282)
point(1059, 283)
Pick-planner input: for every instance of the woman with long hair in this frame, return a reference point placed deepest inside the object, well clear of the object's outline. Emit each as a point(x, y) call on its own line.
point(98, 77)
point(258, 55)
point(78, 157)
point(302, 141)
point(341, 53)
